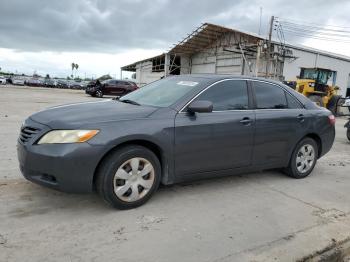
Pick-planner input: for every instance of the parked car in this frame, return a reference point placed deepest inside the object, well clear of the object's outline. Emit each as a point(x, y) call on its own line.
point(33, 82)
point(18, 81)
point(75, 85)
point(176, 129)
point(62, 84)
point(2, 80)
point(111, 87)
point(49, 83)
point(9, 80)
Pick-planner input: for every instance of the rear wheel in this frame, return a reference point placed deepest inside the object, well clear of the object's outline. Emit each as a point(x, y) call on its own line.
point(128, 177)
point(303, 159)
point(348, 133)
point(317, 99)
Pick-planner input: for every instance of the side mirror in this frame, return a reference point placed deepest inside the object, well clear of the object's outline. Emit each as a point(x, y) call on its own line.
point(200, 106)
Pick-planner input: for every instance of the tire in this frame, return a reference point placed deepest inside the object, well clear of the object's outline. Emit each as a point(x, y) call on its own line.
point(108, 182)
point(348, 133)
point(332, 104)
point(317, 99)
point(295, 169)
point(99, 94)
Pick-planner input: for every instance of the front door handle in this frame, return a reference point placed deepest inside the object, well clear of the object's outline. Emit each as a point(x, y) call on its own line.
point(301, 117)
point(246, 121)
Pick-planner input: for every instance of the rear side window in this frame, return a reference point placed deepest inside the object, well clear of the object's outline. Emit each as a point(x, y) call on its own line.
point(269, 96)
point(227, 95)
point(293, 103)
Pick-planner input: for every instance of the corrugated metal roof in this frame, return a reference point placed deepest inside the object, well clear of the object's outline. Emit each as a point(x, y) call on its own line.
point(132, 67)
point(206, 34)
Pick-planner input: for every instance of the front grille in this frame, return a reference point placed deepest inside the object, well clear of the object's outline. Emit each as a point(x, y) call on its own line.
point(27, 133)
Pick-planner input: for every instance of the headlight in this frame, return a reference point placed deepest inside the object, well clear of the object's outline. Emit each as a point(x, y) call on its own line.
point(67, 136)
point(311, 84)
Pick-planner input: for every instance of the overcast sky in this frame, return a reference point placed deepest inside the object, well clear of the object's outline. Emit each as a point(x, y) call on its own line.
point(101, 36)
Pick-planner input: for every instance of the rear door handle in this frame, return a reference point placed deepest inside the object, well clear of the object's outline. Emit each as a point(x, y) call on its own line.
point(246, 121)
point(301, 118)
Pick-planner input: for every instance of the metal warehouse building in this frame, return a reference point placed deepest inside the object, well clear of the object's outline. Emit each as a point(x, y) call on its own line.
point(215, 49)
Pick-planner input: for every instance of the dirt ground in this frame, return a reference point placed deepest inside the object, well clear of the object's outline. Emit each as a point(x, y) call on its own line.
point(262, 216)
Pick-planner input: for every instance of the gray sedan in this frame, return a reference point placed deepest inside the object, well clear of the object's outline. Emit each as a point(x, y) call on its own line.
point(176, 129)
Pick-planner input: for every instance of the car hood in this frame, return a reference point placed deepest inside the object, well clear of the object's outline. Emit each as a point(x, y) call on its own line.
point(76, 115)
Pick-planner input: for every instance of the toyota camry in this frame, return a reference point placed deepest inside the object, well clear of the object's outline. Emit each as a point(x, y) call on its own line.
point(176, 129)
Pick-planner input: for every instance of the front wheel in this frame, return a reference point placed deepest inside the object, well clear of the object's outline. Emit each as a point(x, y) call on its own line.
point(348, 133)
point(303, 159)
point(333, 103)
point(128, 177)
point(99, 93)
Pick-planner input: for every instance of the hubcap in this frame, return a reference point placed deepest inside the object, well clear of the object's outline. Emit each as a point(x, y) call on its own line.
point(133, 179)
point(305, 158)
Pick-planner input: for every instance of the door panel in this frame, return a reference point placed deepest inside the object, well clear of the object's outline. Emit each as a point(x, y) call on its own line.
point(118, 88)
point(276, 134)
point(280, 119)
point(213, 141)
point(107, 90)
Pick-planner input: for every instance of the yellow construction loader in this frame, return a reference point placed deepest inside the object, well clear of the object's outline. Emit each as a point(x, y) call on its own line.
point(318, 85)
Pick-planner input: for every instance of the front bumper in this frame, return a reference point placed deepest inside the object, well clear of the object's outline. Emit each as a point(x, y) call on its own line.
point(65, 167)
point(90, 91)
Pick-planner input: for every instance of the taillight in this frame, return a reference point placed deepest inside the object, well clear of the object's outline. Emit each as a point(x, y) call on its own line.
point(331, 119)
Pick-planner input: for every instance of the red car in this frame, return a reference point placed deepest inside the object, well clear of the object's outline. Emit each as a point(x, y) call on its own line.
point(110, 87)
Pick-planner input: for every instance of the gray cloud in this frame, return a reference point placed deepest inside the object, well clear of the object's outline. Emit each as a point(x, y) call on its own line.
point(109, 26)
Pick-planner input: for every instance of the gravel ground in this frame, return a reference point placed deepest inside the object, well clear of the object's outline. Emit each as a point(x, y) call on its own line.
point(254, 217)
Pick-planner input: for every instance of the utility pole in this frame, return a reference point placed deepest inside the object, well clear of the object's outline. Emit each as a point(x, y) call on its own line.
point(269, 47)
point(260, 20)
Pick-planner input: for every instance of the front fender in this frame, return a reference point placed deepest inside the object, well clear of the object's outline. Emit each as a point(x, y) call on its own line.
point(159, 132)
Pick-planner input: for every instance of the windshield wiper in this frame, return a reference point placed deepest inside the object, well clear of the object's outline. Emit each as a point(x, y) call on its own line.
point(129, 102)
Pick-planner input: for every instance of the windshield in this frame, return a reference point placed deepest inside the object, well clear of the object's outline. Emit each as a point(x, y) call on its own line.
point(162, 93)
point(309, 74)
point(320, 76)
point(324, 76)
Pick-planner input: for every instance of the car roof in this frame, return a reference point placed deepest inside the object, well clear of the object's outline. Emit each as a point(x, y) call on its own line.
point(215, 77)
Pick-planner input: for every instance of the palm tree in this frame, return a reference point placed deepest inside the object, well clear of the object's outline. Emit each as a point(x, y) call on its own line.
point(73, 66)
point(76, 68)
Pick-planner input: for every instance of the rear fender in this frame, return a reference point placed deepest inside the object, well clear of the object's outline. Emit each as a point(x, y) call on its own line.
point(347, 125)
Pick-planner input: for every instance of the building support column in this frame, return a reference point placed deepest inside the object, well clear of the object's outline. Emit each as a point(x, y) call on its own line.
point(166, 64)
point(258, 53)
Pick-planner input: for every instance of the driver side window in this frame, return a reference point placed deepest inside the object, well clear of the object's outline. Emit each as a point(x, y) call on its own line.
point(227, 95)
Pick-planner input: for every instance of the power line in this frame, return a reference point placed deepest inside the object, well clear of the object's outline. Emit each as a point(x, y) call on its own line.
point(310, 23)
point(306, 31)
point(313, 28)
point(316, 37)
point(313, 32)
